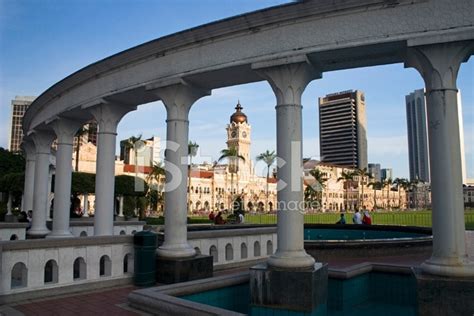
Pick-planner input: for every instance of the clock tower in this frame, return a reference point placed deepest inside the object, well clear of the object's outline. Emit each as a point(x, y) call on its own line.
point(238, 136)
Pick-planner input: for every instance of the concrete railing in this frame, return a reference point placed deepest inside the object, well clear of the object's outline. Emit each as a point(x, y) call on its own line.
point(78, 227)
point(31, 267)
point(12, 231)
point(232, 246)
point(85, 227)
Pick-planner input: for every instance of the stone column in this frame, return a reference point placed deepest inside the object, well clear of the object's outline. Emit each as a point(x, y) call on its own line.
point(107, 115)
point(178, 99)
point(439, 64)
point(65, 130)
point(288, 81)
point(30, 154)
point(121, 207)
point(51, 195)
point(86, 205)
point(43, 141)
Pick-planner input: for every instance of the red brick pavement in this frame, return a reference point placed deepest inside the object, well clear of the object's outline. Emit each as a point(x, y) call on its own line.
point(107, 301)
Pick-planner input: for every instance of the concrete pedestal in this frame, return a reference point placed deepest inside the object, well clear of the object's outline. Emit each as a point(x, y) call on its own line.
point(10, 218)
point(291, 290)
point(438, 295)
point(175, 270)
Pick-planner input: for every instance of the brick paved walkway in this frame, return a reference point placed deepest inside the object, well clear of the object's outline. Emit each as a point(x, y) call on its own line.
point(114, 301)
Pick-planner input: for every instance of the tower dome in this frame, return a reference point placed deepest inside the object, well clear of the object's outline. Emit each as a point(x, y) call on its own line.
point(238, 116)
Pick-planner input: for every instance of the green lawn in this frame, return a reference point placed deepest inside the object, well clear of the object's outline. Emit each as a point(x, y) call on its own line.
point(407, 218)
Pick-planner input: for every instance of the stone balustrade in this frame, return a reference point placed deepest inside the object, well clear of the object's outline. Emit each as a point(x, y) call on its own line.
point(32, 268)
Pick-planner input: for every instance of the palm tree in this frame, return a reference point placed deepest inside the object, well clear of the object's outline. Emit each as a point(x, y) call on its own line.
point(414, 188)
point(130, 143)
point(387, 183)
point(192, 152)
point(268, 158)
point(157, 174)
point(310, 191)
point(377, 185)
point(233, 157)
point(400, 182)
point(86, 129)
point(362, 174)
point(346, 177)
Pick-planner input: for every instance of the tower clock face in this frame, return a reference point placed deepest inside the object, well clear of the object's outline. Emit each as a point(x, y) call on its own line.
point(233, 134)
point(244, 134)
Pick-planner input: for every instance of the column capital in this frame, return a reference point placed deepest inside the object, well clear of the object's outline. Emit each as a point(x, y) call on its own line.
point(179, 97)
point(439, 64)
point(29, 149)
point(65, 130)
point(288, 77)
point(43, 140)
point(109, 113)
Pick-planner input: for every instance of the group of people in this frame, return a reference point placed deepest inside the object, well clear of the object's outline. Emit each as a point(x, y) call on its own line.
point(219, 219)
point(25, 217)
point(357, 218)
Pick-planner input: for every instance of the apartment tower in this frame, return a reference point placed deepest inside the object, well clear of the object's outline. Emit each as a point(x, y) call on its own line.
point(343, 129)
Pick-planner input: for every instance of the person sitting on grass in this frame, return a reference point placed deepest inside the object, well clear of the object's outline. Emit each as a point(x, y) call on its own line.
point(366, 220)
point(219, 220)
point(357, 218)
point(342, 220)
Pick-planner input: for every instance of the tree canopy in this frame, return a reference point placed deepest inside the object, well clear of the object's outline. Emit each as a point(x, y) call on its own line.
point(125, 185)
point(83, 182)
point(11, 162)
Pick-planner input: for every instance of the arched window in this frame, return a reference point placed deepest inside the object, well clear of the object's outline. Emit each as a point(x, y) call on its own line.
point(213, 253)
point(19, 276)
point(122, 232)
point(133, 232)
point(229, 252)
point(79, 269)
point(83, 234)
point(256, 249)
point(269, 248)
point(51, 272)
point(198, 251)
point(243, 251)
point(14, 237)
point(128, 263)
point(105, 266)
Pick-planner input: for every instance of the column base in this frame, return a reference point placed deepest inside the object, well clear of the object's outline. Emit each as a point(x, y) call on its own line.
point(175, 270)
point(438, 295)
point(37, 233)
point(292, 260)
point(291, 290)
point(60, 235)
point(10, 218)
point(176, 251)
point(448, 268)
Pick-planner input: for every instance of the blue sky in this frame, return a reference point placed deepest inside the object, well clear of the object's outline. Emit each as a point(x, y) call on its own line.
point(42, 42)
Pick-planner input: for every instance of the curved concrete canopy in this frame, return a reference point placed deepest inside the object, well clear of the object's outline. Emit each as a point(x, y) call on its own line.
point(330, 34)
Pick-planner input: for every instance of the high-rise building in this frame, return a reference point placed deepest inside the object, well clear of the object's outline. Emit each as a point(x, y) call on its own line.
point(375, 171)
point(418, 139)
point(387, 173)
point(417, 127)
point(343, 129)
point(19, 106)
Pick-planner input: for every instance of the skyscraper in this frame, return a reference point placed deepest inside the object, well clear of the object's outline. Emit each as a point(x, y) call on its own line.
point(418, 139)
point(417, 126)
point(343, 129)
point(19, 106)
point(375, 171)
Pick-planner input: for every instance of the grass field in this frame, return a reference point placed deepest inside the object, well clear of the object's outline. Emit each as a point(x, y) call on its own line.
point(406, 218)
